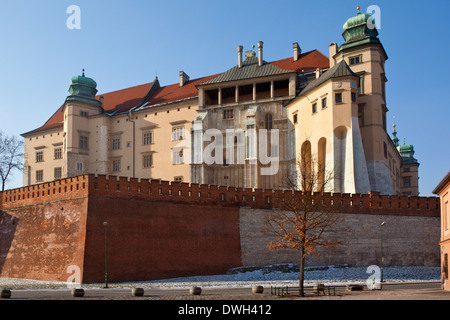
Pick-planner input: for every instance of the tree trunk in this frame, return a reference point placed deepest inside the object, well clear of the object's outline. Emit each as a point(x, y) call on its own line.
point(302, 271)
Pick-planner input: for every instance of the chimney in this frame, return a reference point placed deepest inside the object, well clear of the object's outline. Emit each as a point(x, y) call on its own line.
point(240, 48)
point(260, 53)
point(317, 73)
point(332, 52)
point(183, 78)
point(297, 51)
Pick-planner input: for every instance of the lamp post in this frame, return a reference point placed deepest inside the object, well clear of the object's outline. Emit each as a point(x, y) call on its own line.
point(106, 255)
point(381, 244)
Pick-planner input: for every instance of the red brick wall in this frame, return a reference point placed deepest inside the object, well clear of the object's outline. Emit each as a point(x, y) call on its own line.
point(149, 240)
point(41, 241)
point(156, 229)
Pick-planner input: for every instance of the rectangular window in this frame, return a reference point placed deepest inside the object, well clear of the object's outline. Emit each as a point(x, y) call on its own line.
point(178, 179)
point(116, 143)
point(83, 143)
point(39, 175)
point(355, 60)
point(116, 165)
point(338, 97)
point(295, 118)
point(177, 156)
point(79, 166)
point(58, 173)
point(314, 108)
point(353, 97)
point(84, 114)
point(148, 161)
point(445, 266)
point(324, 103)
point(58, 153)
point(177, 134)
point(39, 156)
point(446, 215)
point(147, 138)
point(407, 182)
point(228, 114)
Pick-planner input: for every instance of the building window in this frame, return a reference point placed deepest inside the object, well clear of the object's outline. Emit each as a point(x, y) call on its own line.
point(83, 143)
point(338, 97)
point(148, 161)
point(177, 156)
point(116, 143)
point(353, 96)
point(355, 60)
point(295, 118)
point(40, 156)
point(445, 266)
point(228, 114)
point(268, 121)
point(39, 175)
point(116, 165)
point(314, 108)
point(58, 173)
point(178, 179)
point(407, 182)
point(84, 114)
point(324, 103)
point(79, 166)
point(177, 134)
point(147, 138)
point(58, 153)
point(385, 150)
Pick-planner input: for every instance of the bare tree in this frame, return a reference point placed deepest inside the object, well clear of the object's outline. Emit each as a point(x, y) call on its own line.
point(303, 216)
point(11, 156)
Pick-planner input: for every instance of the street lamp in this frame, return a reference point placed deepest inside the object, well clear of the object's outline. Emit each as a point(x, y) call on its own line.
point(106, 256)
point(381, 244)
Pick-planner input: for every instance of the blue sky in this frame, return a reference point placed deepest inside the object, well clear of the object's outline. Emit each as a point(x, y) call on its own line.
point(127, 43)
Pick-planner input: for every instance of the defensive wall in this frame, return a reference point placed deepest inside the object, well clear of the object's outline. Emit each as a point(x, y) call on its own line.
point(157, 229)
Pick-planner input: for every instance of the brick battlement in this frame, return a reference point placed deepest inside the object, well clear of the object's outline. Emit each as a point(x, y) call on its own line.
point(64, 189)
point(157, 190)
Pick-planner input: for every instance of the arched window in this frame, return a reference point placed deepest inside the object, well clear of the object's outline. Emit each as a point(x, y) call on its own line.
point(268, 121)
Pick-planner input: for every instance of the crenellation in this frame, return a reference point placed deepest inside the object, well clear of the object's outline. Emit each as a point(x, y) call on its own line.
point(160, 190)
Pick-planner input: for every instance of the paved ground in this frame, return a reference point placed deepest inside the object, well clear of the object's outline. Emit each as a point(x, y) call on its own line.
point(418, 291)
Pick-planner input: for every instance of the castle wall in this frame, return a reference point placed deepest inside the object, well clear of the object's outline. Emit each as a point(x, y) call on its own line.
point(42, 230)
point(157, 229)
point(407, 241)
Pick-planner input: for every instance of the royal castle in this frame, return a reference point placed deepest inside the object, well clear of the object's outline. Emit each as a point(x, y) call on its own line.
point(248, 127)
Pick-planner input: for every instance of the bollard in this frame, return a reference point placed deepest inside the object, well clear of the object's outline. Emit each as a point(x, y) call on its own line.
point(137, 292)
point(194, 291)
point(78, 293)
point(258, 289)
point(5, 294)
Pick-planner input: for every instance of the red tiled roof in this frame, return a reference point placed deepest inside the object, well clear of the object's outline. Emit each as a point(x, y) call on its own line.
point(123, 100)
point(307, 62)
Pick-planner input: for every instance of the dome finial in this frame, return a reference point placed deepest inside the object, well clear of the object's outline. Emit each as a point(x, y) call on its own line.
point(358, 8)
point(83, 73)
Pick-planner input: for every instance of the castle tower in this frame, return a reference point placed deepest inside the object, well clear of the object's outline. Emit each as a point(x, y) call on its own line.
point(365, 55)
point(78, 107)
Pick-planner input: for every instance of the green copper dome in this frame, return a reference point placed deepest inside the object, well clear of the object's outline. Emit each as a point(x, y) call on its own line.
point(83, 89)
point(407, 153)
point(83, 86)
point(358, 30)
